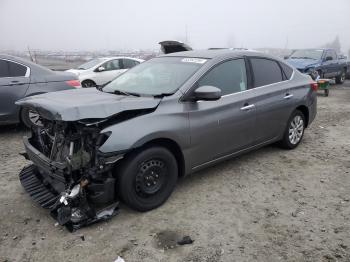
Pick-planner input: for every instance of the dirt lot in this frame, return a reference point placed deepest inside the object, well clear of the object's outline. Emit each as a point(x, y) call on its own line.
point(269, 205)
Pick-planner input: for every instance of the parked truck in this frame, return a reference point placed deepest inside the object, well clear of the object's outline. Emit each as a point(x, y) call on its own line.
point(319, 63)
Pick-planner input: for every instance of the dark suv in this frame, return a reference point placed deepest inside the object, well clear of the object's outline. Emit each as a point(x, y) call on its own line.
point(323, 63)
point(163, 119)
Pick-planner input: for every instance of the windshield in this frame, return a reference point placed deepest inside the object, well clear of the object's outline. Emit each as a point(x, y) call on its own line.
point(308, 54)
point(90, 63)
point(159, 76)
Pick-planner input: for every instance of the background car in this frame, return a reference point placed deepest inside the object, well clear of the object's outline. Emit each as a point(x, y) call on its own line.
point(323, 62)
point(347, 61)
point(20, 78)
point(99, 71)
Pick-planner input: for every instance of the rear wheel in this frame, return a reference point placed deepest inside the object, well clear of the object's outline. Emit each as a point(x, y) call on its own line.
point(88, 83)
point(30, 117)
point(147, 178)
point(294, 131)
point(341, 78)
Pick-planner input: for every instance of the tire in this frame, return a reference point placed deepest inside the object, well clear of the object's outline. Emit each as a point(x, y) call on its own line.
point(88, 83)
point(341, 78)
point(326, 92)
point(30, 118)
point(293, 135)
point(147, 178)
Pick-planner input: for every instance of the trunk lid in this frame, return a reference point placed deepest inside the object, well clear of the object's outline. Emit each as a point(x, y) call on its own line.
point(173, 46)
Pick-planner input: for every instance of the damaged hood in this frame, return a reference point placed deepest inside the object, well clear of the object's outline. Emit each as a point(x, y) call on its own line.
point(78, 104)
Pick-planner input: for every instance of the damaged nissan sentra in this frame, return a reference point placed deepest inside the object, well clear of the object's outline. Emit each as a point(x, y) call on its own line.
point(163, 119)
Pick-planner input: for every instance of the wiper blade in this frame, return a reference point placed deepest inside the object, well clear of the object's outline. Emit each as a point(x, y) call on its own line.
point(303, 57)
point(119, 92)
point(163, 94)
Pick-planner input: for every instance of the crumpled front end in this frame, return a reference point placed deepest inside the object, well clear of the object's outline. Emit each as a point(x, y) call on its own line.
point(69, 175)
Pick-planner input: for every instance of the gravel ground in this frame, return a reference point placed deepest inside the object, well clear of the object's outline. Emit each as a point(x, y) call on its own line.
point(268, 205)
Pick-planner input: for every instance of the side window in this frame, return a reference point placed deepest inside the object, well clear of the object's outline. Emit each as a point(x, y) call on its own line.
point(112, 65)
point(17, 69)
point(266, 71)
point(330, 54)
point(229, 76)
point(4, 68)
point(128, 63)
point(10, 69)
point(334, 55)
point(288, 71)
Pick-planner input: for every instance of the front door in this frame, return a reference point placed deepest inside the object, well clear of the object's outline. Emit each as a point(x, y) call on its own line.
point(330, 64)
point(219, 128)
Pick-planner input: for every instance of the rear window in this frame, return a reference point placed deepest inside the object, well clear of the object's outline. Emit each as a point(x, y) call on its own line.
point(11, 69)
point(288, 71)
point(266, 71)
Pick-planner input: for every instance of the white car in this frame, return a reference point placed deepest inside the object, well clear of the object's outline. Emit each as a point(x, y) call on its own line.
point(99, 71)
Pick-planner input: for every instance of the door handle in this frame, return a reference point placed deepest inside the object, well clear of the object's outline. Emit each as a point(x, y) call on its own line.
point(247, 107)
point(288, 96)
point(16, 82)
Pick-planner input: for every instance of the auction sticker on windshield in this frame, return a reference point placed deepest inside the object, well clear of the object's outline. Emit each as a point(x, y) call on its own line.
point(194, 60)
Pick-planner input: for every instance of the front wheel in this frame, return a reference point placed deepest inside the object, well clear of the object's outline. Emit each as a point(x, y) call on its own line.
point(30, 117)
point(147, 178)
point(294, 131)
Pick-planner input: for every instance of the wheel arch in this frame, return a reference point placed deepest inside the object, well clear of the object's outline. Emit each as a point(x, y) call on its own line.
point(304, 109)
point(173, 147)
point(88, 80)
point(21, 107)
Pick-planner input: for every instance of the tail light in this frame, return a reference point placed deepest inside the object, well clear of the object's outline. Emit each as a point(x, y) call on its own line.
point(74, 83)
point(314, 86)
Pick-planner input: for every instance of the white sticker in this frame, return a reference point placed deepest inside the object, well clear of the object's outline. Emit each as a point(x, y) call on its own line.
point(194, 60)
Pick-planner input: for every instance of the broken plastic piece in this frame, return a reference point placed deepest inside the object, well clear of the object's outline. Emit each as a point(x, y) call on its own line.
point(119, 259)
point(186, 240)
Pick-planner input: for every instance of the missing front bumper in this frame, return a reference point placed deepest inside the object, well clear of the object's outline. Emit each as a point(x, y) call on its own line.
point(71, 211)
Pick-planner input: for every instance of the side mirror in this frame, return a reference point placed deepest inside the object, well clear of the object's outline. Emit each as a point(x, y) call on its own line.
point(286, 57)
point(207, 93)
point(329, 58)
point(101, 69)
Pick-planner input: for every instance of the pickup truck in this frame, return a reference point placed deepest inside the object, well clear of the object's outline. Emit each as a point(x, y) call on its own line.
point(319, 63)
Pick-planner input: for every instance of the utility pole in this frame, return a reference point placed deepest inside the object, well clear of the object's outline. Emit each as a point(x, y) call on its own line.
point(286, 46)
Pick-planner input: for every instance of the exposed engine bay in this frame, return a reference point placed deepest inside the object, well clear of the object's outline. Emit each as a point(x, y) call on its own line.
point(69, 175)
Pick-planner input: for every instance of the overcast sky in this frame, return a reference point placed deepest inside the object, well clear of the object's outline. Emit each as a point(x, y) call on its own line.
point(139, 24)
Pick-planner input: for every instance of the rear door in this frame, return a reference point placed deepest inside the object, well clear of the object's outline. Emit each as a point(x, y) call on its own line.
point(221, 127)
point(273, 97)
point(14, 82)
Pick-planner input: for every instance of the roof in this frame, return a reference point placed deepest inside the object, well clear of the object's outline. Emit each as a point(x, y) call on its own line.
point(120, 57)
point(33, 67)
point(209, 54)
